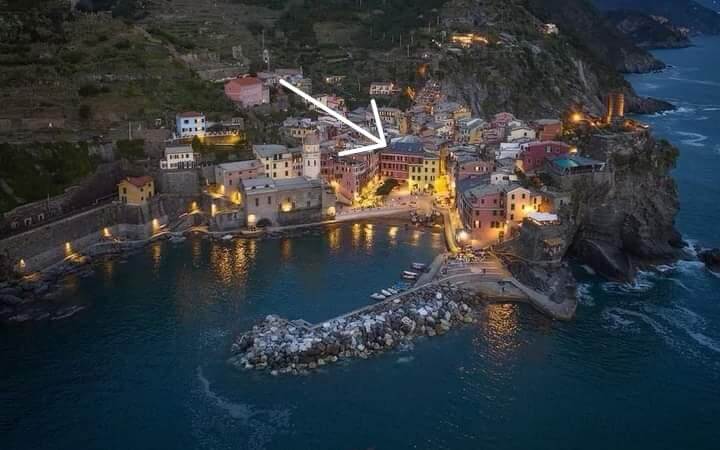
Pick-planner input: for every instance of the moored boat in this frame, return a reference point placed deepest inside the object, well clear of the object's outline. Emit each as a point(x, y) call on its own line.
point(377, 296)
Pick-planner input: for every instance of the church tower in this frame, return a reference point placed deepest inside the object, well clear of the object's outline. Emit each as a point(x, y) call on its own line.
point(311, 156)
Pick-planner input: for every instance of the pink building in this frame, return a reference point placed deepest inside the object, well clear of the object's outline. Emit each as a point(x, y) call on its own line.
point(533, 157)
point(248, 91)
point(482, 210)
point(394, 163)
point(502, 120)
point(349, 174)
point(473, 169)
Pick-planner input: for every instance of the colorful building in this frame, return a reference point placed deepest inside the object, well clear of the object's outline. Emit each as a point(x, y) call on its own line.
point(548, 129)
point(229, 176)
point(534, 155)
point(425, 175)
point(136, 190)
point(482, 211)
point(190, 123)
point(247, 91)
point(279, 161)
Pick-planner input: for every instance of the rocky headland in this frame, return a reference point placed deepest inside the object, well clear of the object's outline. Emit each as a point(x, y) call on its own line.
point(628, 221)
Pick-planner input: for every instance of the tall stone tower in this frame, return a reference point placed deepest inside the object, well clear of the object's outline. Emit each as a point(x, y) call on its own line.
point(311, 156)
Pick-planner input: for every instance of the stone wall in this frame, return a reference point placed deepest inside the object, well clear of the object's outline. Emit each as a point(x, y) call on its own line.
point(184, 182)
point(51, 243)
point(46, 245)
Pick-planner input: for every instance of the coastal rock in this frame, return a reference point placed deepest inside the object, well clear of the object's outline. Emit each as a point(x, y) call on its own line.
point(627, 220)
point(711, 258)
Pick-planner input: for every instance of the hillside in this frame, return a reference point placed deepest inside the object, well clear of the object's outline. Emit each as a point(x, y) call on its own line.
point(683, 13)
point(648, 32)
point(593, 35)
point(88, 75)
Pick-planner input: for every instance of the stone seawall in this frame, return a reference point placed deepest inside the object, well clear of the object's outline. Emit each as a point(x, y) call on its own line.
point(285, 347)
point(44, 246)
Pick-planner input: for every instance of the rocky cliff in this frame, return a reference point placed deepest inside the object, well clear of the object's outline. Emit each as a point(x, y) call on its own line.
point(533, 74)
point(629, 220)
point(648, 31)
point(689, 14)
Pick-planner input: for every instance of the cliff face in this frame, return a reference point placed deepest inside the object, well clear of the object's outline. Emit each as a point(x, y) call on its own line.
point(590, 32)
point(648, 32)
point(689, 14)
point(629, 220)
point(537, 75)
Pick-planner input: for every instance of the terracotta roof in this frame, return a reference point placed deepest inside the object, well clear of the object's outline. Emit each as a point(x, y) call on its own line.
point(246, 81)
point(139, 181)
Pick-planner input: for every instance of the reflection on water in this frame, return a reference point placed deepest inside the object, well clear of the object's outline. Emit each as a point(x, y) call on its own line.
point(369, 236)
point(500, 328)
point(231, 263)
point(334, 237)
point(392, 235)
point(356, 229)
point(286, 249)
point(196, 249)
point(156, 252)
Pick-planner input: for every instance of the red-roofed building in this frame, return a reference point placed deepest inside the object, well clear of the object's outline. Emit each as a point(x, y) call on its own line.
point(136, 190)
point(247, 91)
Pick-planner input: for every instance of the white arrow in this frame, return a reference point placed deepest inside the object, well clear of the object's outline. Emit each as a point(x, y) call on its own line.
point(379, 141)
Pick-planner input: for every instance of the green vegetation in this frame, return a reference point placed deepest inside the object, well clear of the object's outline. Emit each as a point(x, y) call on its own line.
point(387, 187)
point(35, 171)
point(131, 149)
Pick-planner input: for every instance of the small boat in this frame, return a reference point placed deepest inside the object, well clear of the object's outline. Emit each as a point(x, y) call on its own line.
point(407, 272)
point(227, 237)
point(393, 291)
point(377, 296)
point(409, 277)
point(178, 239)
point(418, 266)
point(386, 293)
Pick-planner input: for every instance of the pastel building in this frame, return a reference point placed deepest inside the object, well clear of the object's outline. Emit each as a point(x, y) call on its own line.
point(482, 211)
point(190, 123)
point(548, 129)
point(179, 157)
point(279, 161)
point(534, 155)
point(229, 176)
point(247, 91)
point(136, 190)
point(425, 175)
point(520, 203)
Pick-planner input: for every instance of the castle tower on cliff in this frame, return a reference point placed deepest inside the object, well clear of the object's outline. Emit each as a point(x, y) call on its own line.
point(311, 156)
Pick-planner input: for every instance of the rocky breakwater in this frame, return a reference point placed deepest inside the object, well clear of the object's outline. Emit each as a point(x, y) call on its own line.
point(285, 347)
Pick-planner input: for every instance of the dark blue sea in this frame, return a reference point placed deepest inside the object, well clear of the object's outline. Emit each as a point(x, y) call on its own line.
point(143, 366)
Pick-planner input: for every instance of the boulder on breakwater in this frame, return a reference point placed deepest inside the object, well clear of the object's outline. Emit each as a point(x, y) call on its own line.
point(286, 347)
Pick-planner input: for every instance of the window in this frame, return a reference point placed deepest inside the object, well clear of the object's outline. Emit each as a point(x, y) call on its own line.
point(257, 202)
point(269, 200)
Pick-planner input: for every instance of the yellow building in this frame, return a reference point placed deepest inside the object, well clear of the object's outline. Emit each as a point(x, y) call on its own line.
point(136, 190)
point(424, 176)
